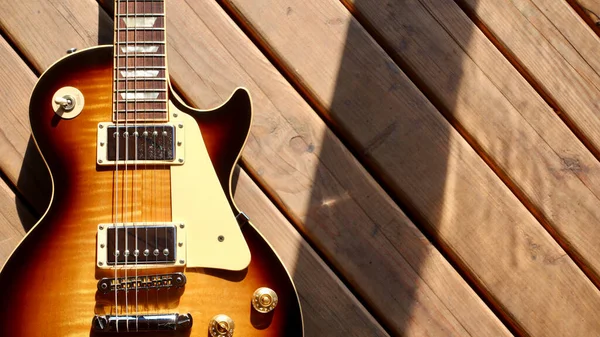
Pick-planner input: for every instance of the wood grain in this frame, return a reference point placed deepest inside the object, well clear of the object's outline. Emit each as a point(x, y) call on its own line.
point(568, 82)
point(17, 81)
point(428, 299)
point(591, 8)
point(13, 216)
point(565, 30)
point(54, 16)
point(308, 270)
point(479, 222)
point(333, 305)
point(84, 196)
point(500, 113)
point(321, 186)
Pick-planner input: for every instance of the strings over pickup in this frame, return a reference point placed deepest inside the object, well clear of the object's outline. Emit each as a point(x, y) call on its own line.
point(140, 245)
point(143, 144)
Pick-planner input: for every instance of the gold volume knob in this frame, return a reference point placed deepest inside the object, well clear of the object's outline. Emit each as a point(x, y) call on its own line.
point(264, 300)
point(221, 325)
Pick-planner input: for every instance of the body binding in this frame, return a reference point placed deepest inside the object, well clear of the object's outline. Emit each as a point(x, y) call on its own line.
point(48, 285)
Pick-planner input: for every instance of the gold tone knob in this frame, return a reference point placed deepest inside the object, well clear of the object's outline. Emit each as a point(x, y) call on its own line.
point(264, 300)
point(221, 325)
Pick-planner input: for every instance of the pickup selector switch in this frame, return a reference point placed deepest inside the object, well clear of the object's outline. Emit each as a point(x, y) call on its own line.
point(67, 102)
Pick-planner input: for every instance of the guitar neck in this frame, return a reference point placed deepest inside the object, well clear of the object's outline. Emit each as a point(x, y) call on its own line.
point(140, 72)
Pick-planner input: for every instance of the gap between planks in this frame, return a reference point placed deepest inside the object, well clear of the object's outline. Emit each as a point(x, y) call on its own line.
point(565, 69)
point(589, 10)
point(320, 289)
point(279, 37)
point(265, 78)
point(519, 183)
point(542, 90)
point(278, 189)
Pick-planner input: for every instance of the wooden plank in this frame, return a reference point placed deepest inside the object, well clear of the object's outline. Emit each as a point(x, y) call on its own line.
point(426, 164)
point(568, 86)
point(16, 81)
point(13, 217)
point(566, 31)
point(63, 19)
point(327, 301)
point(518, 132)
point(423, 303)
point(314, 280)
point(591, 8)
point(322, 187)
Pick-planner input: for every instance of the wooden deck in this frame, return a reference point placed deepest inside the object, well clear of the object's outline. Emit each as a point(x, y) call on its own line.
point(423, 167)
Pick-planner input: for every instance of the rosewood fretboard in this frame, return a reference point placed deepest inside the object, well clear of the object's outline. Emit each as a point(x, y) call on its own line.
point(140, 74)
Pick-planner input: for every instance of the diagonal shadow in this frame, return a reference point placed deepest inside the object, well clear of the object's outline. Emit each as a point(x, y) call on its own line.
point(383, 111)
point(36, 188)
point(365, 114)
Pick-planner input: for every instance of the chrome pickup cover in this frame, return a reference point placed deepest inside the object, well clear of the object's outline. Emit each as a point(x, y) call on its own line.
point(140, 245)
point(141, 144)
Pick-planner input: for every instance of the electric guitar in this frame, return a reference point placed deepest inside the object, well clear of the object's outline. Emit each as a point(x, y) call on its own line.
point(142, 236)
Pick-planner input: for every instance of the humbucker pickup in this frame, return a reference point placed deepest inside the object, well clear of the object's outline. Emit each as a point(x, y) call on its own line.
point(141, 245)
point(141, 144)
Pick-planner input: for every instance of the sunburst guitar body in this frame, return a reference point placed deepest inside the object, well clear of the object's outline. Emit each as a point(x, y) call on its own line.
point(142, 236)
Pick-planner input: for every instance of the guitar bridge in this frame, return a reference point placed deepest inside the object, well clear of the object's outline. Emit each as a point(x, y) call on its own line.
point(165, 281)
point(141, 323)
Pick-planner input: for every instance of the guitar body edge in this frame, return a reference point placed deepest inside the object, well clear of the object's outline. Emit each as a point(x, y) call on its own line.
point(49, 283)
point(225, 130)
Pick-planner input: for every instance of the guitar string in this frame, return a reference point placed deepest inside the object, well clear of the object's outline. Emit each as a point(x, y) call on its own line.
point(155, 214)
point(146, 137)
point(126, 159)
point(116, 179)
point(136, 135)
point(163, 9)
point(171, 143)
point(159, 172)
point(126, 100)
point(146, 171)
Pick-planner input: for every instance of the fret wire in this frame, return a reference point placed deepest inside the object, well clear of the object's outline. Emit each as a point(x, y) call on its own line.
point(143, 100)
point(141, 90)
point(144, 42)
point(132, 55)
point(142, 78)
point(142, 110)
point(141, 106)
point(149, 79)
point(143, 67)
point(122, 32)
point(140, 36)
point(131, 60)
point(140, 15)
point(151, 29)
